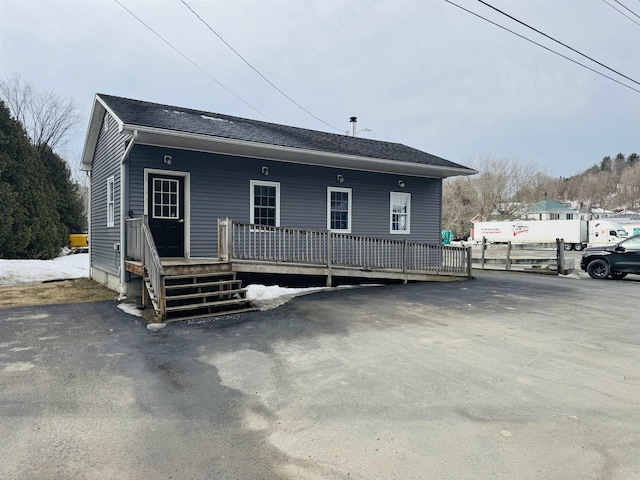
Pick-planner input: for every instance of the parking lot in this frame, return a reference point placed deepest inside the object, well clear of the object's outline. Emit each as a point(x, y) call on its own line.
point(506, 376)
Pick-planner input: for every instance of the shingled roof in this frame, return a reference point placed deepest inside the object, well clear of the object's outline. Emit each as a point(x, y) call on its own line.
point(158, 120)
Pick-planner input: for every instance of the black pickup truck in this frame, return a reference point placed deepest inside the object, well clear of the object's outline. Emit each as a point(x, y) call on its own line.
point(615, 261)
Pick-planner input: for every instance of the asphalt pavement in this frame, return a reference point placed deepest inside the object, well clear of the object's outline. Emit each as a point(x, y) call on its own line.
point(506, 376)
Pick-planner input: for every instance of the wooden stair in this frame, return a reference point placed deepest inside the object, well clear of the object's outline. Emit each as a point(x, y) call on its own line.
point(201, 295)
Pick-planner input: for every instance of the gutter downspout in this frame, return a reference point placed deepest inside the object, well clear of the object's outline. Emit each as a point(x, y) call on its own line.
point(123, 223)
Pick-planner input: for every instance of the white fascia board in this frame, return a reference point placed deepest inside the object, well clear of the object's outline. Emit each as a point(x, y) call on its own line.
point(241, 148)
point(93, 132)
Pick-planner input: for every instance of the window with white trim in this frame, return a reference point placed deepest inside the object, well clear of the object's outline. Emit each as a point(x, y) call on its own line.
point(400, 212)
point(265, 203)
point(339, 209)
point(110, 202)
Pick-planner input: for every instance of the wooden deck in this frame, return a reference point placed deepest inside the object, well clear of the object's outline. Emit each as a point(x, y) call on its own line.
point(256, 249)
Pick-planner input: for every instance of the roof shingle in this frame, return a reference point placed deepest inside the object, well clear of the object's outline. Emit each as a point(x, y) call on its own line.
point(167, 117)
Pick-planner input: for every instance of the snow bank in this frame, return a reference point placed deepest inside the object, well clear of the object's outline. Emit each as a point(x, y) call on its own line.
point(15, 272)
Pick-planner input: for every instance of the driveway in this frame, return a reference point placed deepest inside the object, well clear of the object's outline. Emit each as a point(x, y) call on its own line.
point(507, 376)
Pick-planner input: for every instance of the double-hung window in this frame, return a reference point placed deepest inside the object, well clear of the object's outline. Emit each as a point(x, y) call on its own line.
point(110, 202)
point(339, 209)
point(400, 213)
point(265, 203)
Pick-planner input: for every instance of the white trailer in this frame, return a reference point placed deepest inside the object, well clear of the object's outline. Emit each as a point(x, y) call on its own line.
point(573, 232)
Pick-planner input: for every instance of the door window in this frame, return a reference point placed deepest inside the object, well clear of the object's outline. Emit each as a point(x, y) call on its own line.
point(166, 203)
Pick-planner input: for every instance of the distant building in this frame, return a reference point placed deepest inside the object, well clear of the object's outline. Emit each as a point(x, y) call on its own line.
point(553, 210)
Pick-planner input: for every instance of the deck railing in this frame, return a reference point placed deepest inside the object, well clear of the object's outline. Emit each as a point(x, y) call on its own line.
point(142, 248)
point(240, 241)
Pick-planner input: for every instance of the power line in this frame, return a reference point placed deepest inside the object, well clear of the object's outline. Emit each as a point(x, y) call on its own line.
point(626, 8)
point(542, 46)
point(557, 41)
point(191, 61)
point(621, 12)
point(254, 68)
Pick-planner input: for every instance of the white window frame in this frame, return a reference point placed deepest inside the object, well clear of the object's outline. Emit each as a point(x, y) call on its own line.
point(342, 190)
point(111, 202)
point(177, 200)
point(254, 183)
point(406, 231)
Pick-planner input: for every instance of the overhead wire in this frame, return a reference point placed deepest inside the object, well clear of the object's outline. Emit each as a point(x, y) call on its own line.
point(557, 41)
point(626, 8)
point(255, 69)
point(191, 61)
point(542, 46)
point(621, 12)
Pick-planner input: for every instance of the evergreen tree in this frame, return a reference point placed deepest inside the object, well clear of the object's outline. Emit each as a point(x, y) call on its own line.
point(29, 222)
point(67, 193)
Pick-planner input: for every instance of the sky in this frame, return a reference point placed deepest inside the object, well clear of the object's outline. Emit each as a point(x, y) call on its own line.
point(423, 73)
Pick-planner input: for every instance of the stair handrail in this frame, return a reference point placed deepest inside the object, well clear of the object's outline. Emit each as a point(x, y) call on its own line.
point(153, 266)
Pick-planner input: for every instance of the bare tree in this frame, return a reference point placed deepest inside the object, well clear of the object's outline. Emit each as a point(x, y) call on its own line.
point(597, 190)
point(630, 186)
point(502, 189)
point(47, 117)
point(504, 186)
point(459, 205)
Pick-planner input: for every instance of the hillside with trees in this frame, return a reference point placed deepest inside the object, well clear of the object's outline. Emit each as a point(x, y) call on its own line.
point(503, 187)
point(40, 203)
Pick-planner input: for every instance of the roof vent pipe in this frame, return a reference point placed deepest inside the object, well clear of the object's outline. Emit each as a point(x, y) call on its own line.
point(353, 120)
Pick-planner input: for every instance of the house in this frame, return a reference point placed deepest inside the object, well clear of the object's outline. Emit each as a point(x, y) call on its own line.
point(552, 210)
point(203, 188)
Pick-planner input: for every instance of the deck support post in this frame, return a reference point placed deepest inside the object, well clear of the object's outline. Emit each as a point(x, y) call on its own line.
point(162, 299)
point(562, 270)
point(329, 256)
point(224, 239)
point(404, 261)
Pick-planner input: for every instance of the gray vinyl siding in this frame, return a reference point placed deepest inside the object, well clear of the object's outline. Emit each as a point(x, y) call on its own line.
point(106, 164)
point(219, 187)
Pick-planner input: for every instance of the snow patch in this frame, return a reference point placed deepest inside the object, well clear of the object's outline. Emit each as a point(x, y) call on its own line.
point(130, 308)
point(16, 272)
point(266, 297)
point(207, 117)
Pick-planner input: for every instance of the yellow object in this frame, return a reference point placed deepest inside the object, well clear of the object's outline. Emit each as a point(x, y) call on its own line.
point(79, 240)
